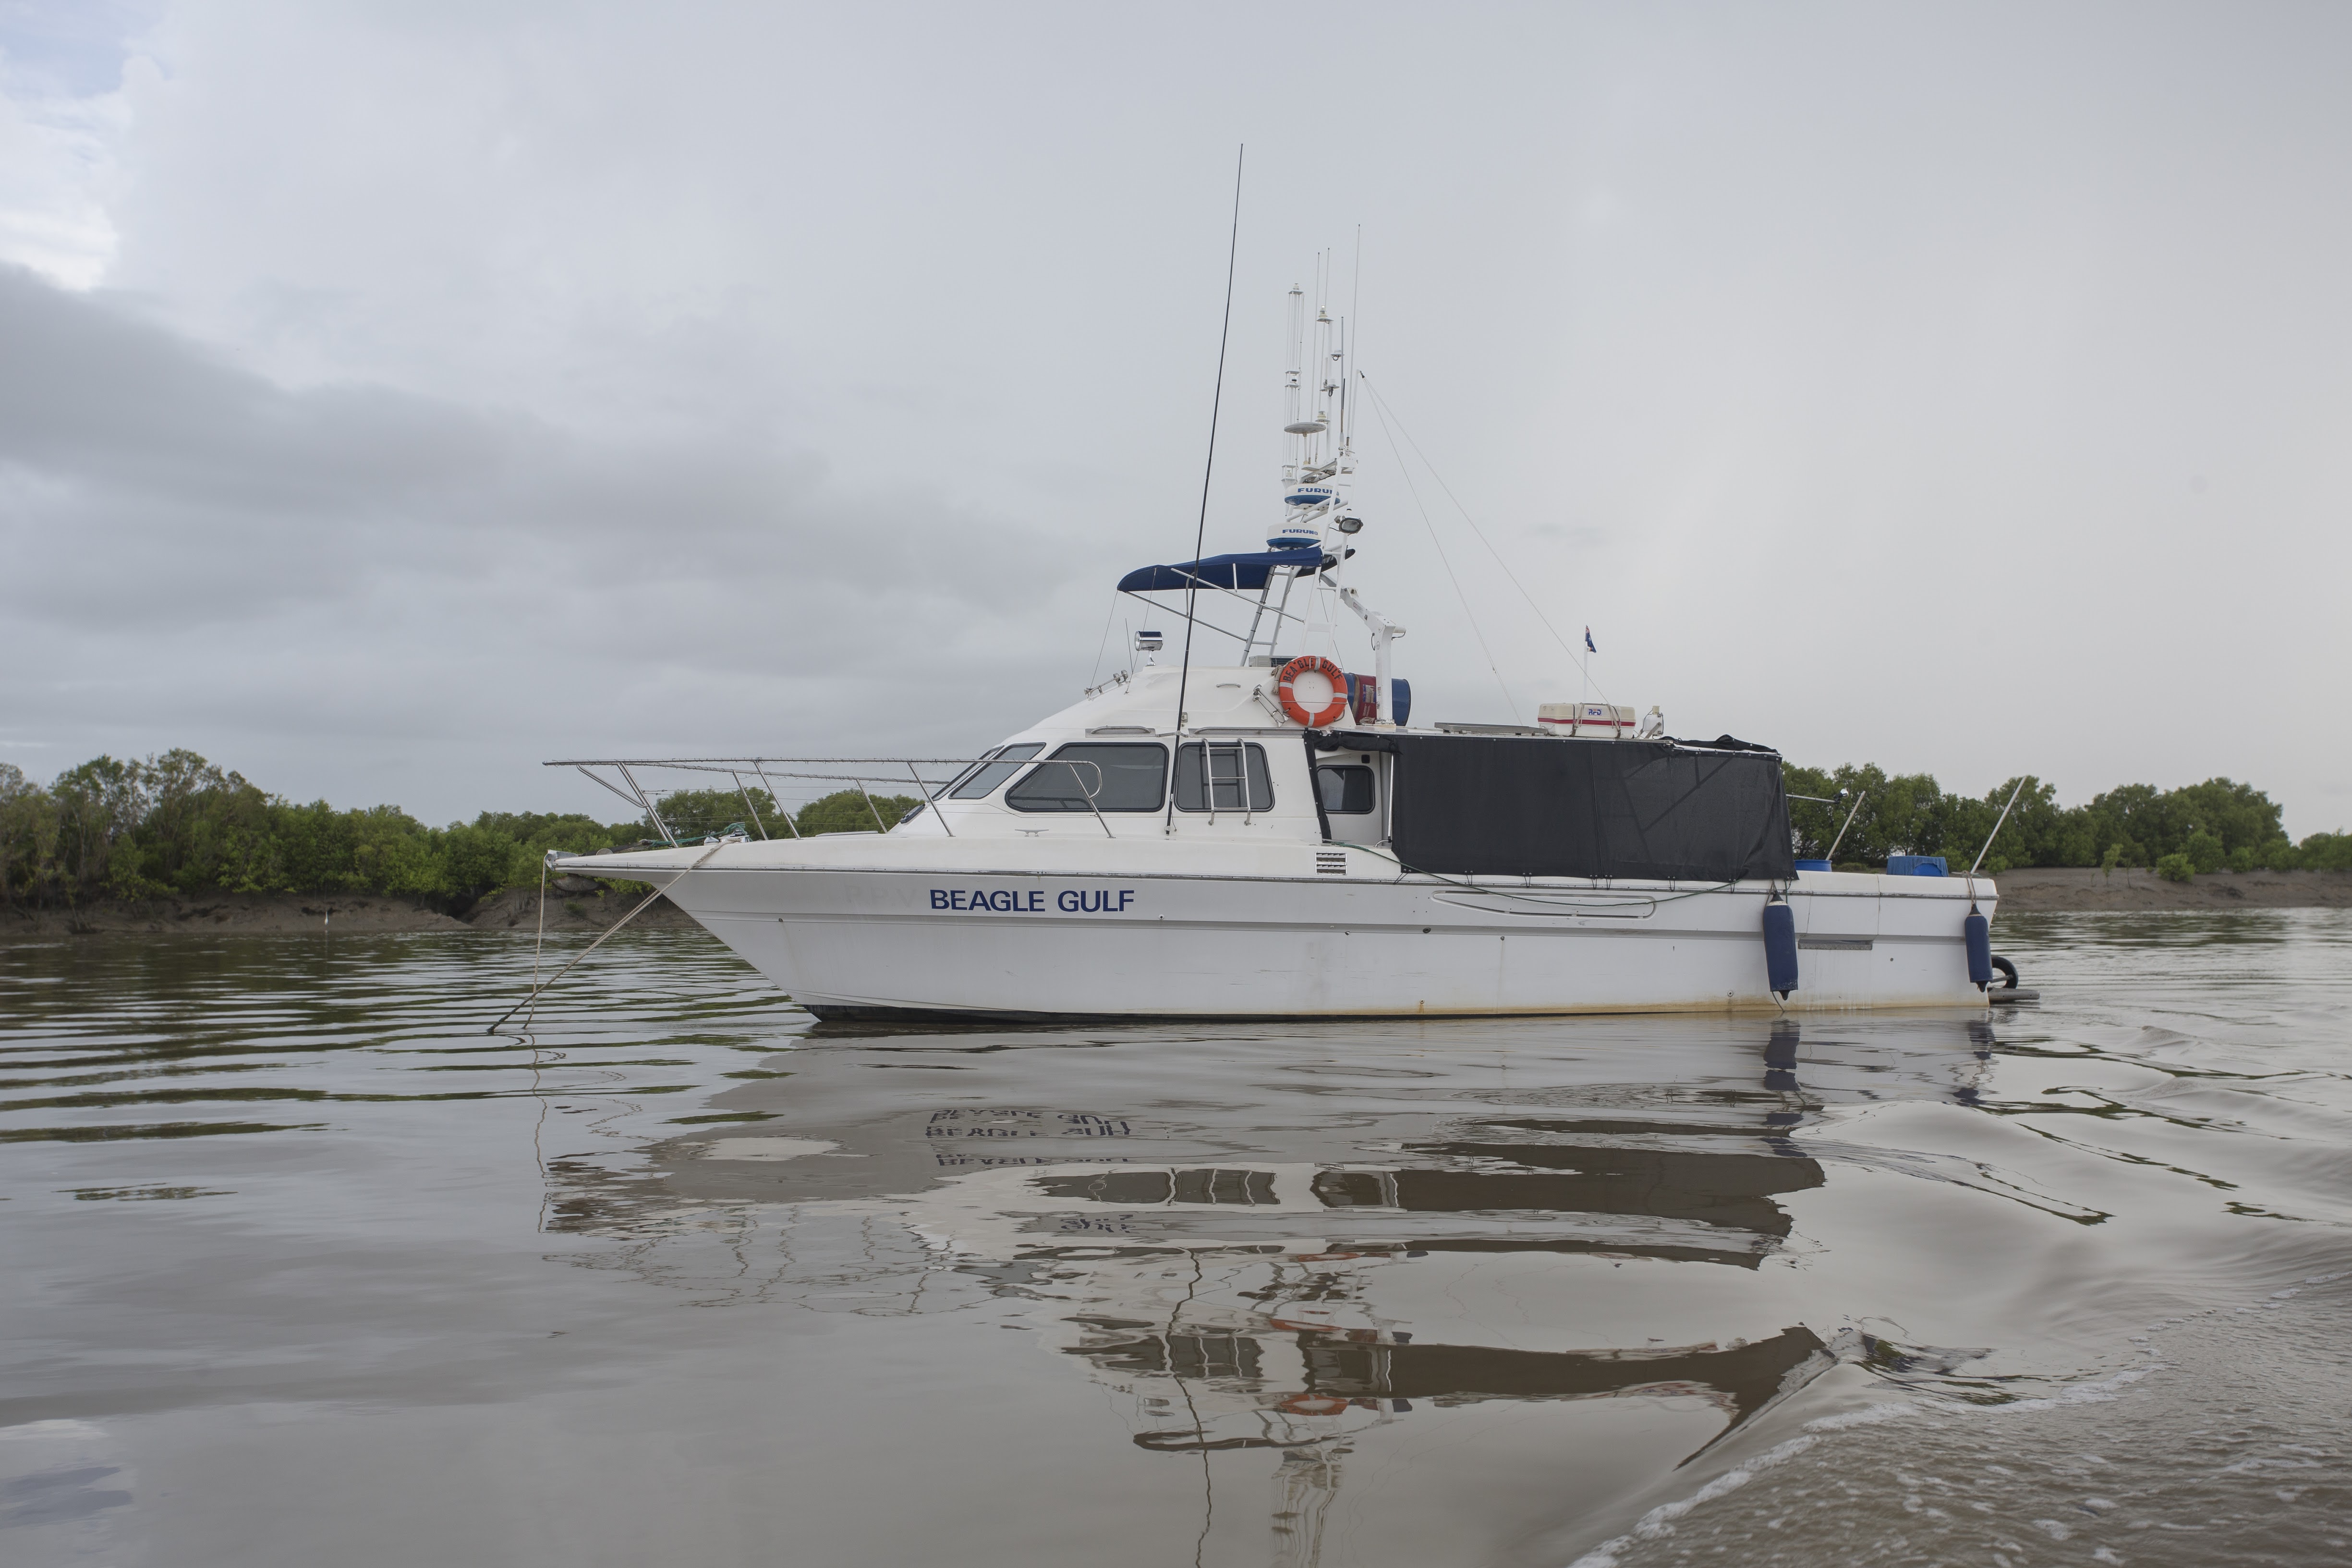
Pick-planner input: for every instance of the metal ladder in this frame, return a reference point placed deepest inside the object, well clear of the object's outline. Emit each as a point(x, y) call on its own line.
point(1239, 779)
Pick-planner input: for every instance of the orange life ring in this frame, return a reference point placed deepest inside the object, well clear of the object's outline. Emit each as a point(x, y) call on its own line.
point(1313, 663)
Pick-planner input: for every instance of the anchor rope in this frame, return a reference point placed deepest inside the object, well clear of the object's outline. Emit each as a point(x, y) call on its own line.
point(643, 905)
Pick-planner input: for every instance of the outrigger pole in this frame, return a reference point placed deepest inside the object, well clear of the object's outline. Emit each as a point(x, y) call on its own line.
point(1994, 834)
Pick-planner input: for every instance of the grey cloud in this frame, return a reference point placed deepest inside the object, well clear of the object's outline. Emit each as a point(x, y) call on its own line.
point(120, 434)
point(195, 548)
point(86, 389)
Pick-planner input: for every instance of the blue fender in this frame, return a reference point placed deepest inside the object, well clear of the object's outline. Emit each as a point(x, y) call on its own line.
point(1780, 947)
point(1978, 931)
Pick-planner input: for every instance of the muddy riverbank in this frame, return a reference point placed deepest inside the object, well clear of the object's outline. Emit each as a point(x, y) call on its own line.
point(2087, 888)
point(294, 914)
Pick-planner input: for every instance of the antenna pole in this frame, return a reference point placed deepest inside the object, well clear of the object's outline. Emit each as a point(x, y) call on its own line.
point(1201, 531)
point(1355, 319)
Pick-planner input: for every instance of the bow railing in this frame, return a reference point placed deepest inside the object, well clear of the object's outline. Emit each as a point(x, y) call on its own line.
point(858, 771)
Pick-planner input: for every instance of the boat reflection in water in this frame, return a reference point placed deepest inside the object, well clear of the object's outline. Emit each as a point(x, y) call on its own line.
point(1300, 1350)
point(1290, 1241)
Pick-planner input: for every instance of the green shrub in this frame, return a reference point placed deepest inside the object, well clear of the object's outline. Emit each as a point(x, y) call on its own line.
point(2205, 852)
point(2111, 859)
point(176, 824)
point(845, 811)
point(2325, 852)
point(695, 814)
point(476, 860)
point(2176, 868)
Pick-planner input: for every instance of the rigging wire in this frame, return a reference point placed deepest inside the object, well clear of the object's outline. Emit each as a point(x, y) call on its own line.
point(1380, 405)
point(1512, 703)
point(1103, 646)
point(1216, 402)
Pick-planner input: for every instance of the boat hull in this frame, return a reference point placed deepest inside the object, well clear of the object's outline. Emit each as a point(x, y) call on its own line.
point(980, 947)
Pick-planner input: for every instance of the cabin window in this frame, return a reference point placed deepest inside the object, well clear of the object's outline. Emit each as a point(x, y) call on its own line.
point(983, 778)
point(1120, 777)
point(1346, 789)
point(1229, 766)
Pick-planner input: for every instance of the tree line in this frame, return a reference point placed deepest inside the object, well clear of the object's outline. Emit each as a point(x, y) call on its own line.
point(177, 825)
point(2217, 826)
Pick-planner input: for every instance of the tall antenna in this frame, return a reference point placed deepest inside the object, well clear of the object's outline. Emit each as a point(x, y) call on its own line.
point(1201, 531)
point(1355, 320)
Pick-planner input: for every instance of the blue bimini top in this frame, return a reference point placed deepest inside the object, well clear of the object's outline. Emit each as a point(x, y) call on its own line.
point(1250, 571)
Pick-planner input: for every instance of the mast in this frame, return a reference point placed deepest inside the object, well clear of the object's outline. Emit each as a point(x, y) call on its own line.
point(1319, 461)
point(1305, 499)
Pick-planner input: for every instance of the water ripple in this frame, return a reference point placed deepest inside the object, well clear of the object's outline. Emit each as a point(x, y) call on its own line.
point(663, 1275)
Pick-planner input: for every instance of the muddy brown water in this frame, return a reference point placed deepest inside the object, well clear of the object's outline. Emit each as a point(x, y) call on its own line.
point(302, 1267)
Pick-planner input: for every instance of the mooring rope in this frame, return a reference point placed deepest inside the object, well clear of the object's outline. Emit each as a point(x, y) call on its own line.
point(536, 988)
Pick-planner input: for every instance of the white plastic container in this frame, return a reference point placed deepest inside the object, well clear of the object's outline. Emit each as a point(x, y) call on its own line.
point(1602, 721)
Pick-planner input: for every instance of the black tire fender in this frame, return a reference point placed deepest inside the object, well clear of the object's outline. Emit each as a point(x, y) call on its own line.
point(2008, 969)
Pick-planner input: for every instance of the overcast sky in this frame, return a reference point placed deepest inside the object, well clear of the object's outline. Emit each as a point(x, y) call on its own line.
point(392, 396)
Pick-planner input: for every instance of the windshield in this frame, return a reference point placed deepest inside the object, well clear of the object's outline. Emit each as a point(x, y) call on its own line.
point(1120, 777)
point(988, 776)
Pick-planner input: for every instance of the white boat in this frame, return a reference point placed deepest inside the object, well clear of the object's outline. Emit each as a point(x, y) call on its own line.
point(1273, 837)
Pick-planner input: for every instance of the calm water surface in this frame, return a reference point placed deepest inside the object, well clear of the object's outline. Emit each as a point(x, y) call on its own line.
point(302, 1268)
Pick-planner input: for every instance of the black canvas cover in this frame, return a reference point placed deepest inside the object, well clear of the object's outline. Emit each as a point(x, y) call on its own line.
point(1471, 805)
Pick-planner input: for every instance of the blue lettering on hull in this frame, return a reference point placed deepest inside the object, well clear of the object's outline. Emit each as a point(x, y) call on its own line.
point(1032, 901)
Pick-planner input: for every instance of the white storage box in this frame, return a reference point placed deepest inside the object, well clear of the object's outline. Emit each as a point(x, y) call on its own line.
point(1605, 720)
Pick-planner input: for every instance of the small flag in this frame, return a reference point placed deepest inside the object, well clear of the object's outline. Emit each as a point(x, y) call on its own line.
point(1588, 641)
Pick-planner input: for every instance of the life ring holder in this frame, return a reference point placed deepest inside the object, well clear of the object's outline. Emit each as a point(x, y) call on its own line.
point(1314, 663)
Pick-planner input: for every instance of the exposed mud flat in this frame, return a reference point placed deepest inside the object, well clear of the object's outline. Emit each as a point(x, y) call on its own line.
point(361, 914)
point(2086, 888)
point(574, 903)
point(242, 915)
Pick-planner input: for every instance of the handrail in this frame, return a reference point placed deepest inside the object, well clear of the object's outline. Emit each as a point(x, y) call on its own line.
point(723, 764)
point(749, 808)
point(764, 767)
point(652, 810)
